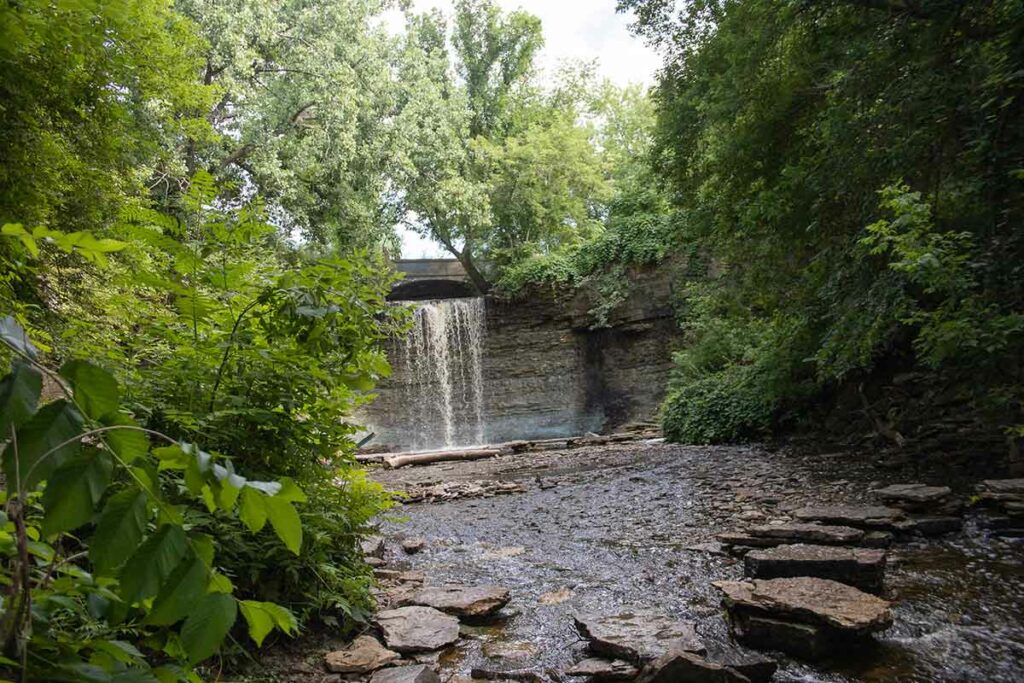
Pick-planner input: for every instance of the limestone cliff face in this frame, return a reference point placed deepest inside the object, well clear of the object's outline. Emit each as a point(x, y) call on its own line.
point(548, 373)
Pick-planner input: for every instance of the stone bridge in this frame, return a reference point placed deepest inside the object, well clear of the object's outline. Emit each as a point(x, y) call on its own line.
point(431, 279)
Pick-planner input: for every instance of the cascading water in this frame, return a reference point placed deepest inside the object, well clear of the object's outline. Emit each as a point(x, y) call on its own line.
point(439, 367)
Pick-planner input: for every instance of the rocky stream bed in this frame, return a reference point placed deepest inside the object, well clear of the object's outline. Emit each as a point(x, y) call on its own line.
point(645, 531)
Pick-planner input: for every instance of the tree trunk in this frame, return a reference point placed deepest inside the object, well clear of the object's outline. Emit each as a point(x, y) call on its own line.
point(475, 276)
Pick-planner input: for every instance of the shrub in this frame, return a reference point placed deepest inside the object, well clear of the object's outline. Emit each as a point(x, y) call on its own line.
point(725, 406)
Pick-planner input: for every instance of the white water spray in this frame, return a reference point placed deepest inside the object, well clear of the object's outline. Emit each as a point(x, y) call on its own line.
point(441, 363)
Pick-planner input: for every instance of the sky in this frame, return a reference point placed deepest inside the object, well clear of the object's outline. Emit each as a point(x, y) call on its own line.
point(573, 29)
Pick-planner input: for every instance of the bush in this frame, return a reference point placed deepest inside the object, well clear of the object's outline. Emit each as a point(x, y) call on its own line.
point(726, 406)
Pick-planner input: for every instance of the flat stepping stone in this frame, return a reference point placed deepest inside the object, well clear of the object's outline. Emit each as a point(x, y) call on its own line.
point(363, 655)
point(919, 498)
point(806, 616)
point(466, 602)
point(638, 636)
point(678, 666)
point(936, 526)
point(601, 670)
point(419, 673)
point(1003, 486)
point(859, 567)
point(859, 516)
point(417, 629)
point(823, 534)
point(373, 546)
point(755, 666)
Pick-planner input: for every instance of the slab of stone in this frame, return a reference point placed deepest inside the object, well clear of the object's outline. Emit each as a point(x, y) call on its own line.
point(417, 629)
point(638, 636)
point(363, 655)
point(809, 600)
point(373, 546)
point(918, 498)
point(686, 667)
point(413, 545)
point(860, 567)
point(418, 673)
point(753, 665)
point(1004, 494)
point(823, 534)
point(1004, 486)
point(859, 516)
point(936, 526)
point(800, 640)
point(600, 670)
point(466, 602)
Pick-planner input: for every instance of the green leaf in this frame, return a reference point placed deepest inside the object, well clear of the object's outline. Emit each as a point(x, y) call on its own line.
point(262, 617)
point(95, 389)
point(285, 521)
point(290, 491)
point(259, 620)
point(73, 491)
point(152, 563)
point(134, 676)
point(253, 510)
point(203, 546)
point(122, 651)
point(178, 594)
point(45, 442)
point(207, 625)
point(14, 335)
point(19, 396)
point(128, 444)
point(119, 530)
point(220, 584)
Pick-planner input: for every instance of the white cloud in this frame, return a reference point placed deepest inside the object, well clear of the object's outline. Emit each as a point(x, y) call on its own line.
point(589, 30)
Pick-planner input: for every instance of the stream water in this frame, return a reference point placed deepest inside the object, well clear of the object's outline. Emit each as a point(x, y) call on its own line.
point(603, 528)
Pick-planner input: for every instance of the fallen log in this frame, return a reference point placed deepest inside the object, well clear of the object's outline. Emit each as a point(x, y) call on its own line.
point(396, 461)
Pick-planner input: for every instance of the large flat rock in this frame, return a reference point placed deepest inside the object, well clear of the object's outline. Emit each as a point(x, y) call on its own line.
point(417, 629)
point(919, 498)
point(419, 673)
point(686, 667)
point(467, 602)
point(809, 600)
point(860, 516)
point(638, 636)
point(860, 567)
point(824, 534)
point(602, 670)
point(363, 655)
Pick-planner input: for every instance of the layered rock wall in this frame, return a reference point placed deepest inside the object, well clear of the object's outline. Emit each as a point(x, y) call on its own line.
point(548, 371)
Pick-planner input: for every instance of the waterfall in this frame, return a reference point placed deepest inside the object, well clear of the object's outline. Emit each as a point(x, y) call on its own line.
point(439, 367)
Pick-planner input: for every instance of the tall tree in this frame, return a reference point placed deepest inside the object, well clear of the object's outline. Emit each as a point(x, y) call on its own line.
point(496, 167)
point(853, 169)
point(306, 102)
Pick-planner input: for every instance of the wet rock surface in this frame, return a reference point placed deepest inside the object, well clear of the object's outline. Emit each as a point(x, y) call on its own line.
point(465, 602)
point(687, 667)
point(597, 670)
point(598, 530)
point(805, 617)
point(406, 674)
point(417, 629)
point(364, 655)
point(919, 498)
point(860, 567)
point(860, 516)
point(637, 635)
point(809, 600)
